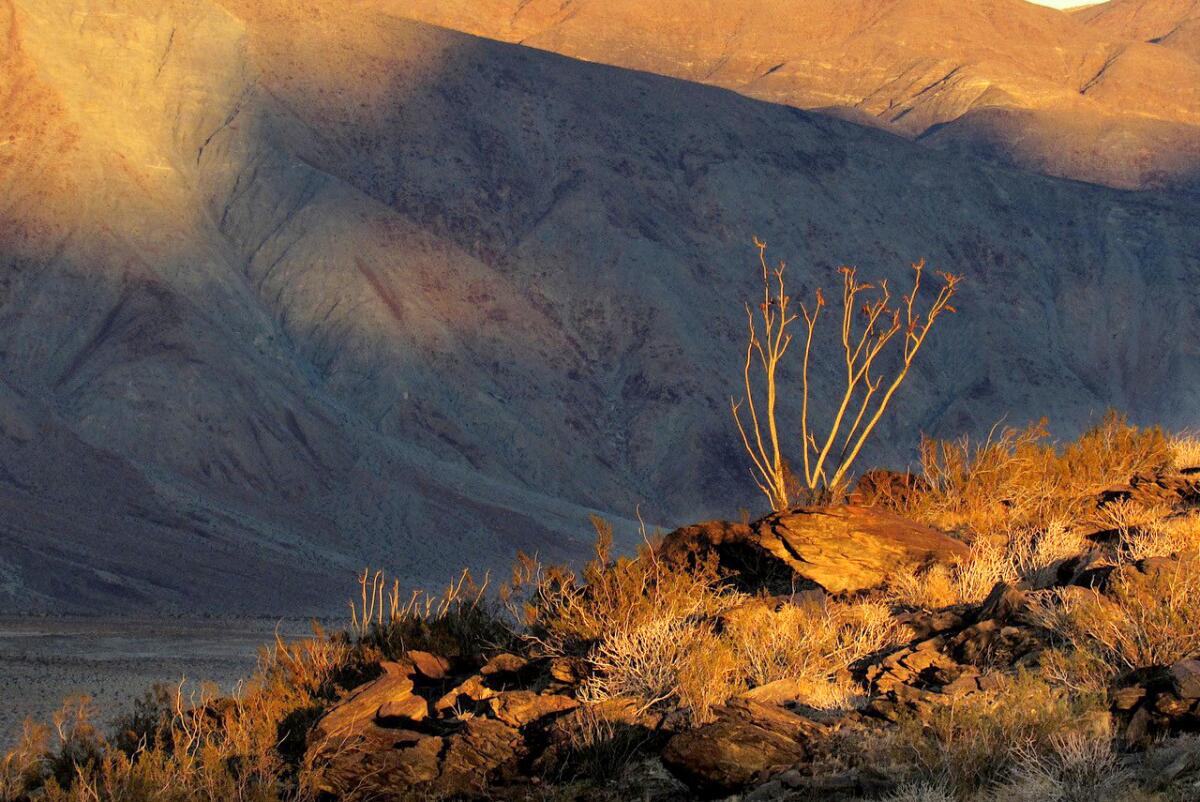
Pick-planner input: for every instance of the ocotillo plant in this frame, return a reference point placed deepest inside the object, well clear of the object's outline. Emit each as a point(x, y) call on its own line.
point(869, 323)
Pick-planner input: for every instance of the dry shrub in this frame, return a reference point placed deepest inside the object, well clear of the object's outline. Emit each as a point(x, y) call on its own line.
point(24, 766)
point(973, 742)
point(1161, 535)
point(461, 620)
point(870, 321)
point(1077, 767)
point(664, 663)
point(1018, 478)
point(645, 626)
point(191, 746)
point(1173, 764)
point(1083, 672)
point(1150, 619)
point(599, 747)
point(684, 663)
point(921, 792)
point(927, 588)
point(568, 612)
point(1185, 451)
point(1027, 555)
point(708, 676)
point(810, 641)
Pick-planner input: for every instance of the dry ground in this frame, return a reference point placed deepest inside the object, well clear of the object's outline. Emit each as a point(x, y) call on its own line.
point(115, 659)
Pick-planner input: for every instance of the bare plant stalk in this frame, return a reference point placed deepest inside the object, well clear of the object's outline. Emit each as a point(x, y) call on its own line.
point(770, 473)
point(869, 322)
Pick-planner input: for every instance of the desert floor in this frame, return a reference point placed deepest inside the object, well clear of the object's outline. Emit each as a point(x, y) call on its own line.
point(115, 660)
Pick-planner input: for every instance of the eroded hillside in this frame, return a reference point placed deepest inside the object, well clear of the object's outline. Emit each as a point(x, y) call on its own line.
point(291, 288)
point(1111, 94)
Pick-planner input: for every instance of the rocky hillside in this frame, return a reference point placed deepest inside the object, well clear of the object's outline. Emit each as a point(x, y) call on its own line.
point(1017, 622)
point(1173, 24)
point(1111, 94)
point(285, 289)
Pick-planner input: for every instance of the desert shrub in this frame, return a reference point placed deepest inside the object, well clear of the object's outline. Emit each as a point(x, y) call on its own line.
point(461, 620)
point(1172, 765)
point(810, 641)
point(684, 663)
point(1113, 451)
point(1075, 767)
point(1082, 671)
point(1027, 554)
point(1185, 451)
point(664, 662)
point(1141, 620)
point(600, 747)
point(24, 767)
point(1018, 478)
point(1157, 533)
point(920, 792)
point(974, 742)
point(870, 321)
point(568, 612)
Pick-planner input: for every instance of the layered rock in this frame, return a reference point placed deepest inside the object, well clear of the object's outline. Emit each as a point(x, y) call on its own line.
point(842, 548)
point(425, 728)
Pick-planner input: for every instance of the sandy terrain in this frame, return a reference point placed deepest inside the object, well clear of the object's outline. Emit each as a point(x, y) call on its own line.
point(114, 660)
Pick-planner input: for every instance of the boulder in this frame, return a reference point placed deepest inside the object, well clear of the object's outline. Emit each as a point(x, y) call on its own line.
point(348, 718)
point(484, 752)
point(1157, 701)
point(429, 666)
point(747, 744)
point(851, 548)
point(1185, 676)
point(464, 695)
point(569, 671)
point(518, 708)
point(842, 548)
point(505, 665)
point(377, 762)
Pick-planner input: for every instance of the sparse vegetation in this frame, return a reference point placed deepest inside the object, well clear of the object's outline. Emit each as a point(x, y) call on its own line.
point(977, 742)
point(648, 647)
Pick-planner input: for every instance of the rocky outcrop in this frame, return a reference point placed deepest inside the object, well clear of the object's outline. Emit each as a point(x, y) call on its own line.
point(851, 548)
point(840, 548)
point(1151, 703)
point(424, 729)
point(479, 728)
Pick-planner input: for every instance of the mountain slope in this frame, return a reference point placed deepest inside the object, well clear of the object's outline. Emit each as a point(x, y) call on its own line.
point(1173, 24)
point(293, 287)
point(912, 64)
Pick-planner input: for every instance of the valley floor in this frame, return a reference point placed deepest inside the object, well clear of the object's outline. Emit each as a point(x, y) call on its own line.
point(114, 660)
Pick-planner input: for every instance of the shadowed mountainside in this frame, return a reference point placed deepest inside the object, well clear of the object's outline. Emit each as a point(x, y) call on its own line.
point(1090, 96)
point(286, 288)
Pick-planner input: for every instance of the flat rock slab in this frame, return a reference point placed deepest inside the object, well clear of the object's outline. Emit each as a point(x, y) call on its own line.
point(850, 548)
point(842, 548)
point(360, 708)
